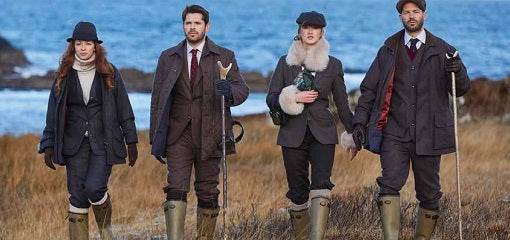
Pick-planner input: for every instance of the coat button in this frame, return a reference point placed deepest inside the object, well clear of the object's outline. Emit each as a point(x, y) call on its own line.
point(412, 67)
point(412, 86)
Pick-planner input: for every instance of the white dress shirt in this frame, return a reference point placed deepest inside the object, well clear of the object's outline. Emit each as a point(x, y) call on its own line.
point(190, 55)
point(422, 37)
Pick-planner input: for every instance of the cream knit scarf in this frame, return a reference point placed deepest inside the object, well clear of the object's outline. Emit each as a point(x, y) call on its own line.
point(86, 73)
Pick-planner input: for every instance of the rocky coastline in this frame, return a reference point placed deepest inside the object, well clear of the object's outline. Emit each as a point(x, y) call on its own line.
point(135, 80)
point(487, 98)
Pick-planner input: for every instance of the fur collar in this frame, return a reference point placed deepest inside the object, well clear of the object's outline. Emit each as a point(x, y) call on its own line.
point(316, 59)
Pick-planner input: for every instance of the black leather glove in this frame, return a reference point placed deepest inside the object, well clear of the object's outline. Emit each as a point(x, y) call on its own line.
point(453, 64)
point(223, 88)
point(132, 153)
point(359, 136)
point(48, 157)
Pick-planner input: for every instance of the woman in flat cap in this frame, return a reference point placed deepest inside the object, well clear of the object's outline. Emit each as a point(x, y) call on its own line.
point(88, 123)
point(298, 102)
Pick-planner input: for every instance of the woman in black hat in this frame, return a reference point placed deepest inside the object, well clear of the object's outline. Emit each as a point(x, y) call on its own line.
point(298, 100)
point(88, 121)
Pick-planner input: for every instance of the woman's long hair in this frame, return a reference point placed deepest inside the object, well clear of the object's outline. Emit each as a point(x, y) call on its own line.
point(102, 65)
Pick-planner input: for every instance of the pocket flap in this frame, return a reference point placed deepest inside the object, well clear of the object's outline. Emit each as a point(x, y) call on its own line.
point(443, 119)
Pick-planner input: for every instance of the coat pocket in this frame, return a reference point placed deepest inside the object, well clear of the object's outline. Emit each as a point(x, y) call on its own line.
point(374, 139)
point(118, 145)
point(443, 130)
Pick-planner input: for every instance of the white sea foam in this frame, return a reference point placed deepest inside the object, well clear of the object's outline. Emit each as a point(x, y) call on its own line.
point(143, 28)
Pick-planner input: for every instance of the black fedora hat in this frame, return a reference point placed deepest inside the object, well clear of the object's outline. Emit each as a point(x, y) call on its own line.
point(85, 31)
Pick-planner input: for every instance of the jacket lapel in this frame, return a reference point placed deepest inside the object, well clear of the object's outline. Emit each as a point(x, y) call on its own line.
point(78, 85)
point(184, 67)
point(431, 48)
point(206, 60)
point(175, 67)
point(93, 88)
point(202, 66)
point(295, 71)
point(318, 76)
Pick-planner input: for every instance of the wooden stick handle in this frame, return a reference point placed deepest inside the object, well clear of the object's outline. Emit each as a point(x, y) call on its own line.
point(223, 70)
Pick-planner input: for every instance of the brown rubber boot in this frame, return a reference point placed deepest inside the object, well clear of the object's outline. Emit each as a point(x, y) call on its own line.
point(78, 226)
point(206, 223)
point(389, 208)
point(425, 223)
point(300, 223)
point(103, 215)
point(175, 214)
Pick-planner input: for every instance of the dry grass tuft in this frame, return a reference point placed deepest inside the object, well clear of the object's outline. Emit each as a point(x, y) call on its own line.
point(33, 198)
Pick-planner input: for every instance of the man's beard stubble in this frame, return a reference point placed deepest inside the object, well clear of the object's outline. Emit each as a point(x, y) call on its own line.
point(417, 28)
point(195, 41)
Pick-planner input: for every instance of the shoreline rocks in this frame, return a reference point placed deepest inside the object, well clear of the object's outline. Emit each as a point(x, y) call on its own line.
point(10, 57)
point(134, 79)
point(487, 98)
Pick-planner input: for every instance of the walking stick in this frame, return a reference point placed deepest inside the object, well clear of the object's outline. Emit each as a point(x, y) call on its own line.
point(223, 75)
point(457, 156)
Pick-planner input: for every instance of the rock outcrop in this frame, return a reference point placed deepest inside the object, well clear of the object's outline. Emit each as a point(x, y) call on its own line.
point(10, 57)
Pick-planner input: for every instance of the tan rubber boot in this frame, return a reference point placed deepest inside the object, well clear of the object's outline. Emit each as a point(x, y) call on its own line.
point(175, 214)
point(389, 208)
point(300, 220)
point(78, 226)
point(319, 213)
point(425, 223)
point(103, 215)
point(206, 223)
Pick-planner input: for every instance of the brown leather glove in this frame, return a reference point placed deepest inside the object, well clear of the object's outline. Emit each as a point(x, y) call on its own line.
point(48, 157)
point(359, 136)
point(132, 153)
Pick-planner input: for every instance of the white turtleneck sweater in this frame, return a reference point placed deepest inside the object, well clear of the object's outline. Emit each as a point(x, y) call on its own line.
point(86, 74)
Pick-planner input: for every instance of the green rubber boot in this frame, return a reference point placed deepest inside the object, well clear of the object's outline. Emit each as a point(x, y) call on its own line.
point(300, 223)
point(425, 223)
point(103, 215)
point(78, 226)
point(206, 223)
point(319, 213)
point(389, 208)
point(175, 214)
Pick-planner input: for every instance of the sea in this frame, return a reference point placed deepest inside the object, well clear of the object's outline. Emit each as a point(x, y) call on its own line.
point(258, 31)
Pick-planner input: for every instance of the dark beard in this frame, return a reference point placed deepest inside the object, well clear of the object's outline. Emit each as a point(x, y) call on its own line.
point(191, 41)
point(418, 27)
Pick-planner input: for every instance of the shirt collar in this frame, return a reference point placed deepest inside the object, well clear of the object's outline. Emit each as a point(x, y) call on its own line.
point(199, 48)
point(422, 37)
